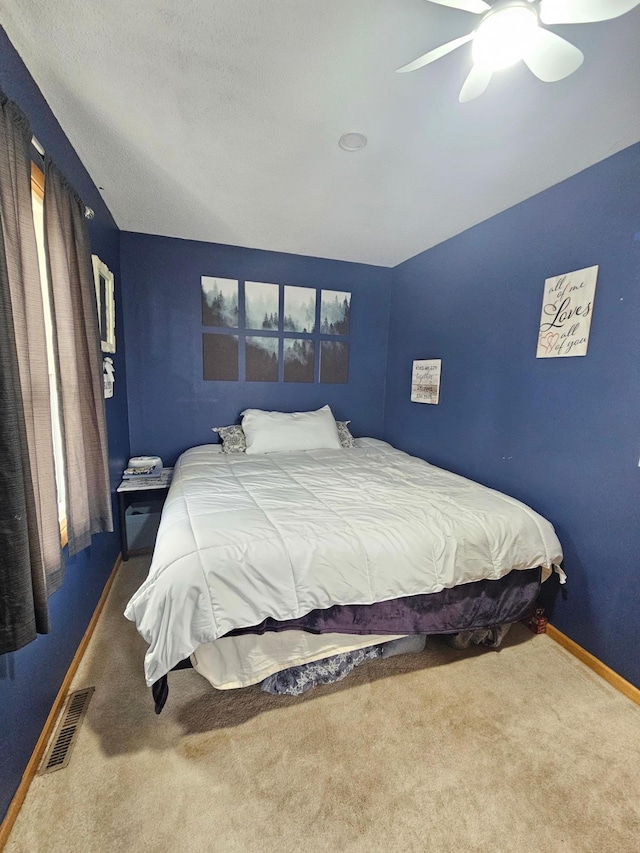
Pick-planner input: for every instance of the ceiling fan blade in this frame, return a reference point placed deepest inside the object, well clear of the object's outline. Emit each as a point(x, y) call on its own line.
point(551, 57)
point(443, 50)
point(477, 81)
point(583, 11)
point(478, 7)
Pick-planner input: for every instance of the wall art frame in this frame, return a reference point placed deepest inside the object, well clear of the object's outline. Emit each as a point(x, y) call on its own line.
point(567, 309)
point(106, 303)
point(425, 381)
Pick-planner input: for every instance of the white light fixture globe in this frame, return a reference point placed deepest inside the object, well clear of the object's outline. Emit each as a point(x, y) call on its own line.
point(505, 36)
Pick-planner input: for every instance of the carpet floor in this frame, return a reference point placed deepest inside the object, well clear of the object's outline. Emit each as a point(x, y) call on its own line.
point(443, 752)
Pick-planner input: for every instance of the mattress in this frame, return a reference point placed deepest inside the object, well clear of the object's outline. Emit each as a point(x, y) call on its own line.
point(243, 538)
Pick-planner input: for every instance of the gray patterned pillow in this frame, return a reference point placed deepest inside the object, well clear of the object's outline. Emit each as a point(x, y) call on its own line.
point(232, 438)
point(346, 439)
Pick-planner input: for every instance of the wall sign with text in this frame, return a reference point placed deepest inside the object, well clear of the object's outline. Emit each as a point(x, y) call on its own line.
point(425, 381)
point(567, 307)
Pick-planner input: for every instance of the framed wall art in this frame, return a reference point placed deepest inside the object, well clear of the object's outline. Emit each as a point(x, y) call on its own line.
point(567, 307)
point(298, 360)
point(261, 354)
point(254, 331)
point(105, 299)
point(220, 357)
point(299, 309)
point(334, 362)
point(219, 302)
point(261, 303)
point(335, 312)
point(425, 381)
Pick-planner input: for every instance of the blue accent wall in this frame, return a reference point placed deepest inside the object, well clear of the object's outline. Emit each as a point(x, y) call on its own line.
point(31, 677)
point(171, 407)
point(561, 434)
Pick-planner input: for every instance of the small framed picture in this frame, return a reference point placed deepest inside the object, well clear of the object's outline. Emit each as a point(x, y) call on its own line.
point(425, 381)
point(105, 298)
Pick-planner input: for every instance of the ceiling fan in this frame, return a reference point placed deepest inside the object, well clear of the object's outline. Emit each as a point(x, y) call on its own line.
point(511, 30)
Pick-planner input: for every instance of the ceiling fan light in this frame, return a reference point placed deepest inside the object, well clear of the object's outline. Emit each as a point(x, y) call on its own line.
point(504, 37)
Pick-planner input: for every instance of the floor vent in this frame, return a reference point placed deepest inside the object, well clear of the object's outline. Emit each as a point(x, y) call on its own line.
point(59, 751)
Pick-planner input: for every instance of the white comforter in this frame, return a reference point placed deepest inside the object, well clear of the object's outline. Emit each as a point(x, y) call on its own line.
point(246, 537)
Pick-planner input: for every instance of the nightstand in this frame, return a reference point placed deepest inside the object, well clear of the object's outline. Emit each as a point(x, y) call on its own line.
point(139, 491)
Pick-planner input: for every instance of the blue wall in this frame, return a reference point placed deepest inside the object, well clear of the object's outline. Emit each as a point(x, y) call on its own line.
point(30, 678)
point(171, 407)
point(561, 434)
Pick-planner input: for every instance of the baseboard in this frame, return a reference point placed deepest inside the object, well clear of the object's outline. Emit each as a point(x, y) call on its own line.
point(615, 680)
point(36, 757)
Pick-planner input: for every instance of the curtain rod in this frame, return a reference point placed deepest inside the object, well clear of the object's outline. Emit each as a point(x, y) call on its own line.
point(88, 212)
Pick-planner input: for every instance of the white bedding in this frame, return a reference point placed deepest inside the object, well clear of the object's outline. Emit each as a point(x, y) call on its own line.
point(246, 537)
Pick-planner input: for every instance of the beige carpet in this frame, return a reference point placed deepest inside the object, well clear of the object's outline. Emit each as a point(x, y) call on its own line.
point(519, 750)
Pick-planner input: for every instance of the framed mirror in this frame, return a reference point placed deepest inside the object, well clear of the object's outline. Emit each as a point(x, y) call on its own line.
point(105, 298)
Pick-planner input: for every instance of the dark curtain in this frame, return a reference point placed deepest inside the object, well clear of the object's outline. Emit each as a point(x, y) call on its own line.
point(30, 558)
point(79, 361)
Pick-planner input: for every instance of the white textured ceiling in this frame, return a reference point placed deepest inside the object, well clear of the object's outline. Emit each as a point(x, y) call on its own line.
point(218, 120)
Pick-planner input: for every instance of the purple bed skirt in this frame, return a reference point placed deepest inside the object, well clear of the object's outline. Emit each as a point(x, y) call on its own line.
point(472, 605)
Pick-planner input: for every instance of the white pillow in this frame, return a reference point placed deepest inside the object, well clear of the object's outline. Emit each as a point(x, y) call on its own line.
point(272, 432)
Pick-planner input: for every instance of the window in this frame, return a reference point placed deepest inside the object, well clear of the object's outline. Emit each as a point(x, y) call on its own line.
point(37, 203)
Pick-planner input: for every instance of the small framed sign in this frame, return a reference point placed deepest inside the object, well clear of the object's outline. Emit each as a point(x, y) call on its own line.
point(425, 381)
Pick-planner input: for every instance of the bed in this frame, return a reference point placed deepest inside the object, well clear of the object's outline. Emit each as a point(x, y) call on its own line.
point(271, 557)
